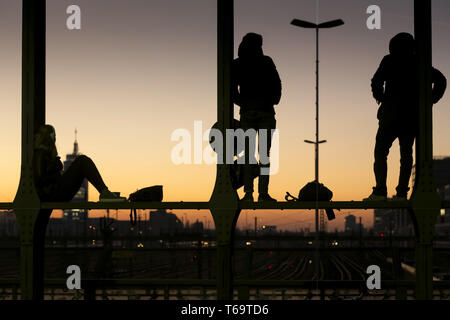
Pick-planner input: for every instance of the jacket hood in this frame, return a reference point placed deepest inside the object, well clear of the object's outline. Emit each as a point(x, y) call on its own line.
point(402, 44)
point(251, 46)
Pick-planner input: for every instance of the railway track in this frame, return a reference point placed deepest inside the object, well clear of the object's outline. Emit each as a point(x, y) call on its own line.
point(287, 265)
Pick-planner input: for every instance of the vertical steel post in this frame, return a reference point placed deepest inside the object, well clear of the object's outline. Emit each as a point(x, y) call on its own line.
point(224, 199)
point(425, 199)
point(316, 147)
point(26, 203)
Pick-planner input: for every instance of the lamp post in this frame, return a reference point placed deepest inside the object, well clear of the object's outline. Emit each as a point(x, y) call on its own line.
point(323, 25)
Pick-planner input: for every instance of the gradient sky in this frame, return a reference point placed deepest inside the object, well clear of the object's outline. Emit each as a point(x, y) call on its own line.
point(139, 69)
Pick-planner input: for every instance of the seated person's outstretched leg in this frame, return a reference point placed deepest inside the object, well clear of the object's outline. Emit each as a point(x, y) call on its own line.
point(83, 168)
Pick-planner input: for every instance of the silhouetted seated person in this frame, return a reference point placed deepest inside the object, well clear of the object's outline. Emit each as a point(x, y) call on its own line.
point(256, 89)
point(54, 185)
point(395, 85)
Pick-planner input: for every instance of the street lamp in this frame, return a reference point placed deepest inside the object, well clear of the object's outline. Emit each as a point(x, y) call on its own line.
point(310, 25)
point(323, 25)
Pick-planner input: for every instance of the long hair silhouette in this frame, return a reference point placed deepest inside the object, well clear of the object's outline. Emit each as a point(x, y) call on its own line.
point(45, 139)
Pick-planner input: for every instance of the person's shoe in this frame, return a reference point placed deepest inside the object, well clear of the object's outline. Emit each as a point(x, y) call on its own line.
point(248, 197)
point(265, 197)
point(375, 197)
point(108, 196)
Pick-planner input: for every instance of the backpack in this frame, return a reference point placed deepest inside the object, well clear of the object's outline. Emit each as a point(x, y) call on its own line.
point(153, 193)
point(308, 193)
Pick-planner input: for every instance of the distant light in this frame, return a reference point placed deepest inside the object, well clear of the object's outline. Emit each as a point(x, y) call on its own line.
point(310, 261)
point(248, 243)
point(263, 227)
point(140, 245)
point(270, 252)
point(442, 212)
point(205, 243)
point(269, 267)
point(382, 235)
point(309, 242)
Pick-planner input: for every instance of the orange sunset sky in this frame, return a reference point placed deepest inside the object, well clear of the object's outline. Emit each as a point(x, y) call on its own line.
point(140, 69)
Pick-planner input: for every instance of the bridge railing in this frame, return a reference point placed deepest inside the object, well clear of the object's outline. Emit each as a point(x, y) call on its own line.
point(204, 205)
point(152, 289)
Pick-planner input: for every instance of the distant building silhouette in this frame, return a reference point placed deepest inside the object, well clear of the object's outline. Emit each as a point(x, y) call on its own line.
point(398, 220)
point(163, 222)
point(82, 194)
point(388, 221)
point(350, 223)
point(197, 227)
point(441, 168)
point(266, 229)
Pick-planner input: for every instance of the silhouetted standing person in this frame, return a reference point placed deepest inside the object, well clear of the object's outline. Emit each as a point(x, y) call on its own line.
point(395, 85)
point(256, 89)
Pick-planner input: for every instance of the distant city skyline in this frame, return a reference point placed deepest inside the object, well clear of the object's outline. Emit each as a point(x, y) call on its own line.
point(140, 69)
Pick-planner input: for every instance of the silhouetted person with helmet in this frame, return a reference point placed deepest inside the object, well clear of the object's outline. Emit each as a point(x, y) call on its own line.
point(256, 89)
point(395, 85)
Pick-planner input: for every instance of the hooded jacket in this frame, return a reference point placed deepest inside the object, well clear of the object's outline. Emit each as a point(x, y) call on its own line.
point(256, 84)
point(395, 83)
